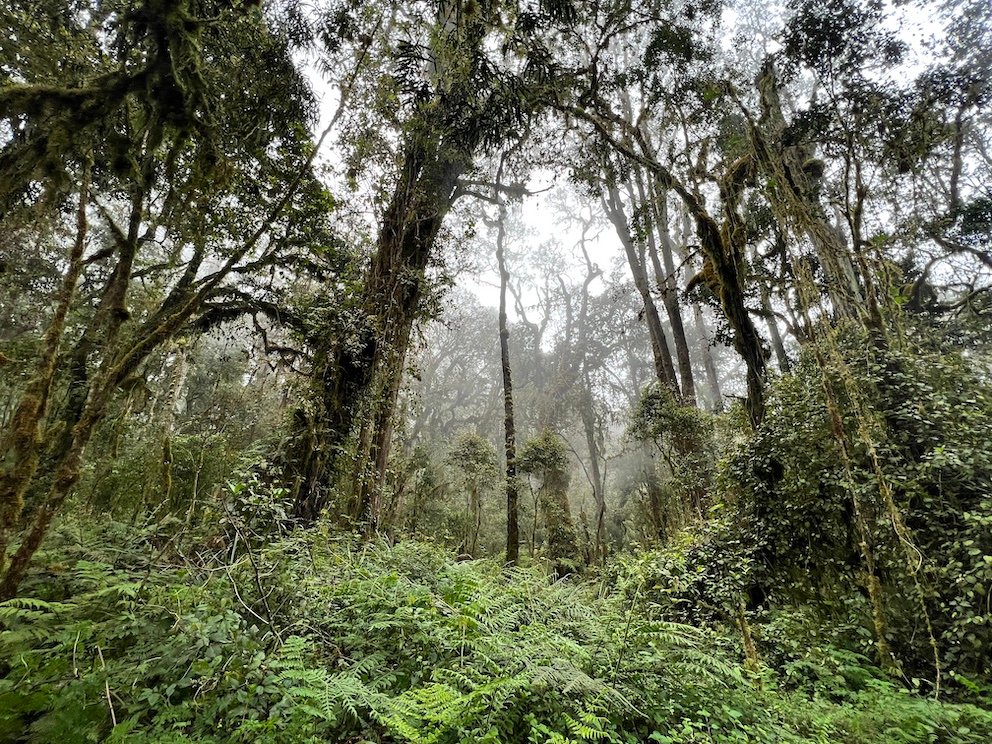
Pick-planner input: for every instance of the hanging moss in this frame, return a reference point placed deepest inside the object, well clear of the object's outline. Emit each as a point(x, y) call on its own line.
point(546, 458)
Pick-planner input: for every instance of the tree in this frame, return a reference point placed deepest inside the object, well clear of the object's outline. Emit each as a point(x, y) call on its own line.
point(164, 151)
point(546, 458)
point(672, 56)
point(475, 459)
point(460, 103)
point(509, 420)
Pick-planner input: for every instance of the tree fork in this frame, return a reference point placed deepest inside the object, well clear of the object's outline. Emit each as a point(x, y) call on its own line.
point(718, 245)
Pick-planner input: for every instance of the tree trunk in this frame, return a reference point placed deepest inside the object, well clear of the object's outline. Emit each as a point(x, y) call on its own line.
point(475, 517)
point(667, 283)
point(560, 538)
point(365, 370)
point(67, 473)
point(723, 247)
point(509, 426)
point(664, 368)
point(587, 411)
point(598, 486)
point(709, 365)
point(795, 198)
point(20, 444)
point(653, 493)
point(376, 453)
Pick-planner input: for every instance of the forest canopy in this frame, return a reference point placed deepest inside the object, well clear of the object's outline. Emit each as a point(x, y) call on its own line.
point(474, 370)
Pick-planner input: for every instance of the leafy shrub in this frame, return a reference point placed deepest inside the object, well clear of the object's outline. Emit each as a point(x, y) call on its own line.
point(317, 638)
point(915, 463)
point(546, 458)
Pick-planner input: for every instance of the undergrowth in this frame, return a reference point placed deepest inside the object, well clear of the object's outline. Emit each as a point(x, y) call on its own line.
point(124, 635)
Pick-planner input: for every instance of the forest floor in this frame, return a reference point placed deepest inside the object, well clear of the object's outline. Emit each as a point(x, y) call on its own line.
point(122, 634)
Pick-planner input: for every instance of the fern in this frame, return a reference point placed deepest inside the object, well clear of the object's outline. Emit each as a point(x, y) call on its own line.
point(395, 644)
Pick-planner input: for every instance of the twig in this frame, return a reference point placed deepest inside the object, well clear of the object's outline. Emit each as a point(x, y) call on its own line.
point(75, 669)
point(106, 687)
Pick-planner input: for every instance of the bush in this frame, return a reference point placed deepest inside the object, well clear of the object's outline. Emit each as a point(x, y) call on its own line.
point(318, 638)
point(906, 475)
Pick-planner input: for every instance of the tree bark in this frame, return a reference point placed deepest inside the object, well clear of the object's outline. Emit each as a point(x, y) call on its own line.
point(20, 444)
point(586, 407)
point(509, 425)
point(68, 473)
point(561, 541)
point(664, 368)
point(667, 283)
point(366, 369)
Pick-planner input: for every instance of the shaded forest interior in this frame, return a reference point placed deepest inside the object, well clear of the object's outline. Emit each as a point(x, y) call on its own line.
point(489, 371)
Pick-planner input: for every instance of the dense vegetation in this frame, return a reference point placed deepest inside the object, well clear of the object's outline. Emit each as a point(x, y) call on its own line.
point(470, 370)
point(360, 641)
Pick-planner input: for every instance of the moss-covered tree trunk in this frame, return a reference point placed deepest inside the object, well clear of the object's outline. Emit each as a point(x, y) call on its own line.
point(561, 542)
point(509, 423)
point(111, 316)
point(794, 176)
point(774, 334)
point(725, 271)
point(20, 444)
point(546, 458)
point(721, 242)
point(359, 374)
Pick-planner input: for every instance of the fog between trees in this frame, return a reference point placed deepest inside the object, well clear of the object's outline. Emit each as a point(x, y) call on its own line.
point(683, 303)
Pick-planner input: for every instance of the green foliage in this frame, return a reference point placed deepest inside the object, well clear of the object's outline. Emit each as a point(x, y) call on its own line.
point(684, 436)
point(426, 483)
point(185, 72)
point(316, 638)
point(545, 456)
point(474, 460)
point(838, 35)
point(474, 456)
point(871, 468)
point(914, 431)
point(701, 578)
point(660, 418)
